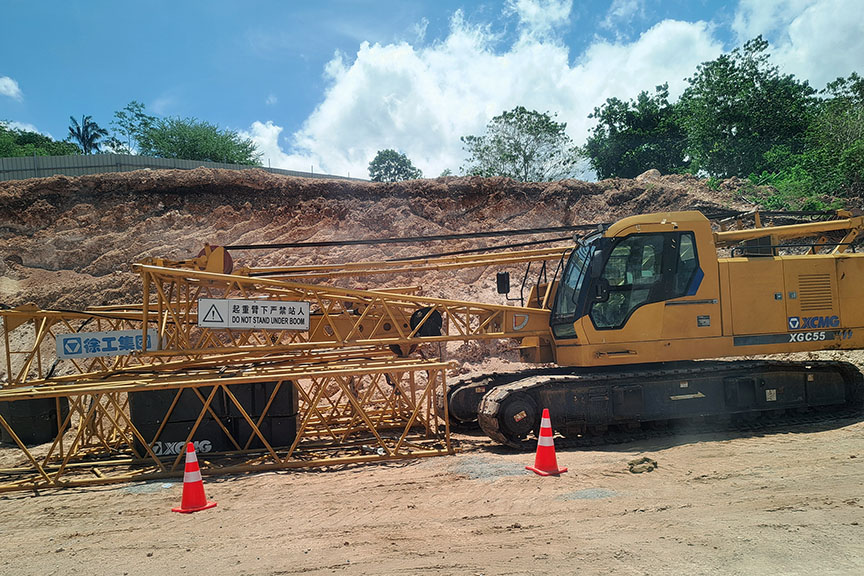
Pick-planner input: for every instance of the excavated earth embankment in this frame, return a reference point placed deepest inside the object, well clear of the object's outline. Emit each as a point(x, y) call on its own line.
point(69, 242)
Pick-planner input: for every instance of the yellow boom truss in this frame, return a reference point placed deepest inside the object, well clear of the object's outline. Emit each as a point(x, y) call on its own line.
point(356, 400)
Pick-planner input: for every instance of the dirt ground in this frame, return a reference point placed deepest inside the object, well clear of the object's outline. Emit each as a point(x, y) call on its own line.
point(785, 502)
point(788, 502)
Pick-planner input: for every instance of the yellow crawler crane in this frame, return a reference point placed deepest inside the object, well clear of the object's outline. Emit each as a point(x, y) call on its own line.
point(278, 367)
point(640, 300)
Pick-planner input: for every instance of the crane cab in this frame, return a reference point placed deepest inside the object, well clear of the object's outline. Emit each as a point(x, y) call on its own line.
point(651, 288)
point(641, 291)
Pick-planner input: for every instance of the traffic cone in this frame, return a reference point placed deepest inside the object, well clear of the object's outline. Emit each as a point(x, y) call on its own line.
point(193, 487)
point(545, 463)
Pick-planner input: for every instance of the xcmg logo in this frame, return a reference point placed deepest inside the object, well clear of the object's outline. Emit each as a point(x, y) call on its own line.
point(813, 322)
point(166, 448)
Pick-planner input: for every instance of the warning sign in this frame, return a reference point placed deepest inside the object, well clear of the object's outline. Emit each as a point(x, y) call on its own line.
point(213, 316)
point(253, 314)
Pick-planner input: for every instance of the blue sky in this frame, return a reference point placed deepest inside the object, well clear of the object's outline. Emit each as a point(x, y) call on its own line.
point(327, 84)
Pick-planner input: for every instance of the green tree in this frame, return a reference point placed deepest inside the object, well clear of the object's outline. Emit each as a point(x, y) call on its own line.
point(87, 134)
point(632, 137)
point(841, 119)
point(129, 125)
point(192, 139)
point(838, 133)
point(831, 165)
point(738, 107)
point(17, 143)
point(524, 145)
point(391, 166)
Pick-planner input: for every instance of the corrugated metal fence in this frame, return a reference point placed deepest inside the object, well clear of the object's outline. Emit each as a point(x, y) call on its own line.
point(43, 166)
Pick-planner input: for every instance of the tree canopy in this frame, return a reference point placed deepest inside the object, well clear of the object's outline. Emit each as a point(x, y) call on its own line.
point(522, 144)
point(738, 107)
point(831, 163)
point(192, 139)
point(740, 116)
point(15, 143)
point(392, 166)
point(631, 137)
point(129, 126)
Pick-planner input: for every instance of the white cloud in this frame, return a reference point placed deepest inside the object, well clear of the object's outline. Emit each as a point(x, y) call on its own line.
point(421, 100)
point(21, 126)
point(9, 87)
point(539, 18)
point(622, 11)
point(420, 29)
point(271, 99)
point(755, 17)
point(816, 40)
point(266, 136)
point(163, 105)
point(26, 127)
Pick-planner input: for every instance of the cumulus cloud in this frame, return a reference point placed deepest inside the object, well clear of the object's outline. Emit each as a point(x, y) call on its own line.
point(622, 11)
point(266, 137)
point(421, 99)
point(755, 17)
point(539, 18)
point(816, 40)
point(26, 127)
point(9, 87)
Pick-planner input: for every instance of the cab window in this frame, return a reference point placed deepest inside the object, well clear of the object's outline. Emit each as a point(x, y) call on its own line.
point(644, 268)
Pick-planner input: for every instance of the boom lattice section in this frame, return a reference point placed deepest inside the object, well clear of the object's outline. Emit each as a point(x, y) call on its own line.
point(349, 410)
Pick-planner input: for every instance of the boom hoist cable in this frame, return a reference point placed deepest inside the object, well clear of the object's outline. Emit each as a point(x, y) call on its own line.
point(720, 214)
point(421, 239)
point(218, 259)
point(411, 239)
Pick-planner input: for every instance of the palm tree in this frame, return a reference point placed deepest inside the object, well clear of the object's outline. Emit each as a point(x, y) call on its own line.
point(87, 134)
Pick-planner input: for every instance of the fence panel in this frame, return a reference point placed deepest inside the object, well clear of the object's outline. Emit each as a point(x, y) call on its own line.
point(44, 166)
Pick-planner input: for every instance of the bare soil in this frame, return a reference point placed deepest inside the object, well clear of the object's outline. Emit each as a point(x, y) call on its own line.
point(70, 242)
point(785, 502)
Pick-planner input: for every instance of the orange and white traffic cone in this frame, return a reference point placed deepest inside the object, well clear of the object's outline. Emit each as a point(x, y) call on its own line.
point(193, 486)
point(545, 463)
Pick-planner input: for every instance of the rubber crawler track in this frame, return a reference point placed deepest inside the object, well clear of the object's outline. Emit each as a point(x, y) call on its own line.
point(488, 412)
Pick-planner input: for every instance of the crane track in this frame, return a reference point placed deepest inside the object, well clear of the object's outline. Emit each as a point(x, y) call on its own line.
point(694, 429)
point(464, 396)
point(525, 394)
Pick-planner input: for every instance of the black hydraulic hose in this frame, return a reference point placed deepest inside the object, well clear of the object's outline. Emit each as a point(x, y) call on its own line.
point(827, 213)
point(716, 214)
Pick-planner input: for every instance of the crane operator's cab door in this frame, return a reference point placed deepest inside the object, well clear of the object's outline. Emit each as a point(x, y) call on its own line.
point(640, 276)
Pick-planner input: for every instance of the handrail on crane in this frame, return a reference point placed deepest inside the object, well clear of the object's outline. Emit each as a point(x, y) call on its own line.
point(853, 225)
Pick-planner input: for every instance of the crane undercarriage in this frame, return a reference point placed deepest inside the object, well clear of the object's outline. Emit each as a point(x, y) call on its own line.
point(590, 402)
